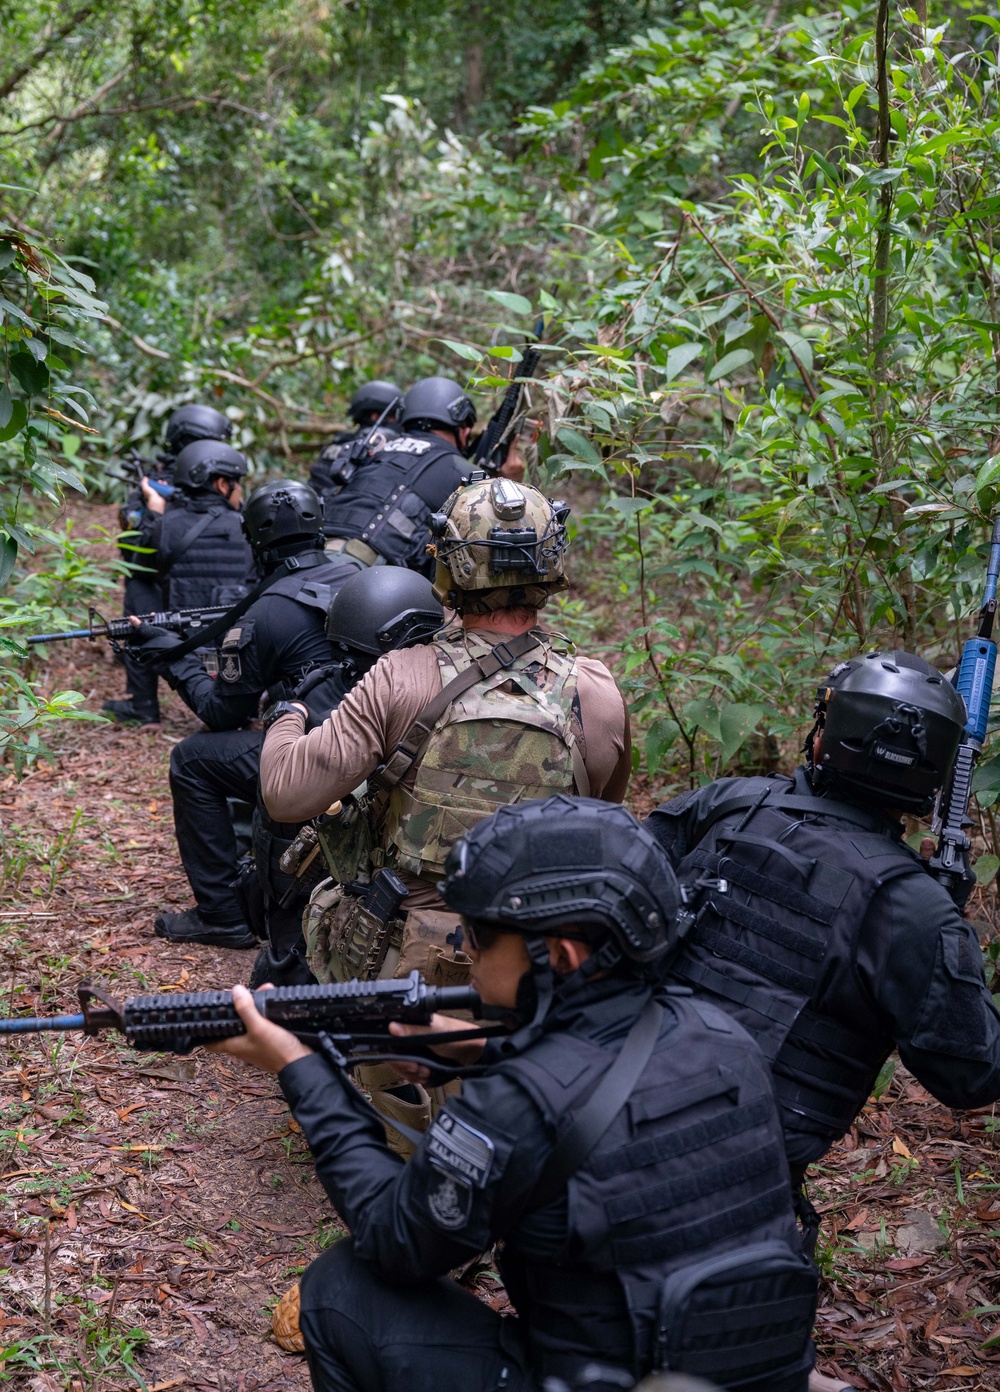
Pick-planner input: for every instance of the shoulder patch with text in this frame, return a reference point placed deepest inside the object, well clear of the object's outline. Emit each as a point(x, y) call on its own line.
point(459, 1149)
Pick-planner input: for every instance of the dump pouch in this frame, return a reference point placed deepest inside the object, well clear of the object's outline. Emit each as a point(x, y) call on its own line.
point(742, 1319)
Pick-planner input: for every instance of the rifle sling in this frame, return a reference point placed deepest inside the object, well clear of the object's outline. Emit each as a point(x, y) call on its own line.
point(184, 544)
point(204, 636)
point(412, 745)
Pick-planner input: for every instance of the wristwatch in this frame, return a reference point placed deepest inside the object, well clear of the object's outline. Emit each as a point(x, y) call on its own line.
point(280, 708)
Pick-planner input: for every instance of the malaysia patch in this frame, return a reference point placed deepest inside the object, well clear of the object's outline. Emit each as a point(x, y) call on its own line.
point(449, 1201)
point(230, 669)
point(460, 1150)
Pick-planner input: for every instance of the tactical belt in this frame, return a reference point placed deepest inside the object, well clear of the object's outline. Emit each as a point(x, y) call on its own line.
point(360, 550)
point(414, 742)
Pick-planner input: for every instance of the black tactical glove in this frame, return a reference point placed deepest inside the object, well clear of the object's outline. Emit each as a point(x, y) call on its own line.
point(151, 645)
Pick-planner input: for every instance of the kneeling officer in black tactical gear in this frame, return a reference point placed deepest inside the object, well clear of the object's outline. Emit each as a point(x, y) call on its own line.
point(817, 927)
point(623, 1143)
point(279, 637)
point(371, 403)
point(192, 549)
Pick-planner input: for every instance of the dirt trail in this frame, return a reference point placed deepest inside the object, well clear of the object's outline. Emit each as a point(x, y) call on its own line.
point(152, 1211)
point(174, 1197)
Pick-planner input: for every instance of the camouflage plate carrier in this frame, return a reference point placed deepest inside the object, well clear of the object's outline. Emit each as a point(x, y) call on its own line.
point(506, 737)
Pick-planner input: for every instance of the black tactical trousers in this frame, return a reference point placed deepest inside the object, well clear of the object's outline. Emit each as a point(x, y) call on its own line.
point(205, 770)
point(142, 596)
point(364, 1335)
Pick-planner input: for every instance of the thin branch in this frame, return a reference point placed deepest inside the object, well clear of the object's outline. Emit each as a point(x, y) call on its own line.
point(44, 49)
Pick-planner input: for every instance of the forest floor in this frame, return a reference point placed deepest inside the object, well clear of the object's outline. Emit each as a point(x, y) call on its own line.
point(153, 1208)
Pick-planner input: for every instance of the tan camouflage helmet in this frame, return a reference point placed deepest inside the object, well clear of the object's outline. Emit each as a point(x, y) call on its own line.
point(499, 545)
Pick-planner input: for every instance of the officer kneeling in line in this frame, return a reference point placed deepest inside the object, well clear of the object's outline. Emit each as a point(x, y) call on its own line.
point(195, 545)
point(382, 513)
point(495, 710)
point(817, 927)
point(143, 594)
point(280, 637)
point(372, 401)
point(623, 1143)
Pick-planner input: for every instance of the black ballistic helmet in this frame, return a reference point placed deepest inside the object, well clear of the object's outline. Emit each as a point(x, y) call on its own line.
point(537, 867)
point(891, 726)
point(435, 402)
point(383, 608)
point(203, 460)
point(194, 422)
point(281, 512)
point(373, 398)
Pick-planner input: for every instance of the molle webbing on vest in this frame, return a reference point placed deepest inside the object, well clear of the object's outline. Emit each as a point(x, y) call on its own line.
point(781, 900)
point(697, 1234)
point(699, 1135)
point(723, 945)
point(499, 731)
point(650, 1199)
point(727, 868)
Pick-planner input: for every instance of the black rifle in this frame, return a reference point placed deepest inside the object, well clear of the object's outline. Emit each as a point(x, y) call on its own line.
point(489, 453)
point(974, 680)
point(138, 468)
point(341, 1016)
point(119, 631)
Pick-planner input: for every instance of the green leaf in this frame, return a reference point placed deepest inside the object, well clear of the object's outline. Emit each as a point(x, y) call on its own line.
point(660, 737)
point(628, 507)
point(578, 445)
point(986, 868)
point(679, 357)
point(885, 1077)
point(988, 474)
point(7, 254)
point(705, 714)
point(464, 350)
point(738, 358)
point(32, 375)
point(517, 304)
point(986, 778)
point(18, 420)
point(736, 723)
point(6, 405)
point(8, 557)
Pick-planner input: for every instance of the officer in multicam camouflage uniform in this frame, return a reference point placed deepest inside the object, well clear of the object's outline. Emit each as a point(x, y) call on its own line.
point(494, 711)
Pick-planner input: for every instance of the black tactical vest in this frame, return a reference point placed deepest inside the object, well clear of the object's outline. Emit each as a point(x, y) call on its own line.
point(333, 456)
point(391, 496)
point(685, 1202)
point(781, 886)
point(214, 566)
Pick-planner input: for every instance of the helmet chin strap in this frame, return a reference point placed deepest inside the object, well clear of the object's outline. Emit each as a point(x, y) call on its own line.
point(537, 988)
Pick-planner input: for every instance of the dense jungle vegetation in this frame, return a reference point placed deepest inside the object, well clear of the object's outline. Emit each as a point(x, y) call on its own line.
point(758, 243)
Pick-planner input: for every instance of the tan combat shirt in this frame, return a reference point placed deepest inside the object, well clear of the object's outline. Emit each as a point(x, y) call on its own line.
point(302, 774)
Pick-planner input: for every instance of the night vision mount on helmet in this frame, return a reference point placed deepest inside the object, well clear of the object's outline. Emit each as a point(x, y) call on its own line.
point(891, 725)
point(203, 460)
point(280, 512)
point(498, 544)
point(195, 422)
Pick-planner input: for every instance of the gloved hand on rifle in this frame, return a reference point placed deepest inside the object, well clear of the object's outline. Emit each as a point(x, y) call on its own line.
point(151, 645)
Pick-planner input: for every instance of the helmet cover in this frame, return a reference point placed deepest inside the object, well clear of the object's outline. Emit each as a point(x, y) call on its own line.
point(567, 863)
point(498, 544)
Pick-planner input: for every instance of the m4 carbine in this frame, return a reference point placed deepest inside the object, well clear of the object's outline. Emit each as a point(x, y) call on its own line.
point(350, 1015)
point(491, 447)
point(119, 631)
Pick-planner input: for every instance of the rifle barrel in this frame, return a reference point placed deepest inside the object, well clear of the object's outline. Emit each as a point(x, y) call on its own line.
point(45, 1022)
point(62, 637)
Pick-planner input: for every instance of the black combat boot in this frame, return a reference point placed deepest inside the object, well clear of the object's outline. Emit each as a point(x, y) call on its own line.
point(130, 712)
point(190, 927)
